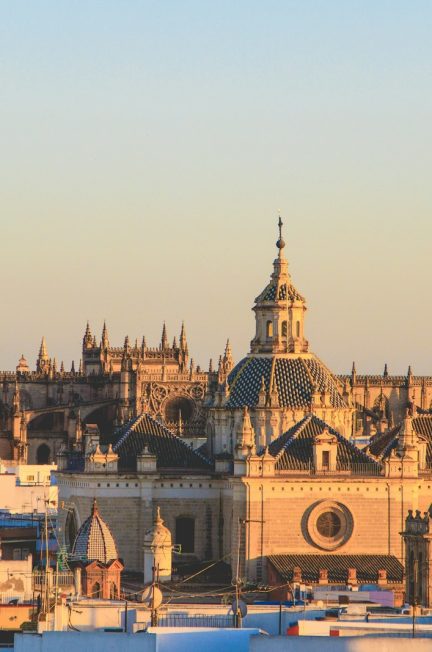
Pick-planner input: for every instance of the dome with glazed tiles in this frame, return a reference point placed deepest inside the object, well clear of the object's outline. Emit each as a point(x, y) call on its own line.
point(94, 540)
point(295, 379)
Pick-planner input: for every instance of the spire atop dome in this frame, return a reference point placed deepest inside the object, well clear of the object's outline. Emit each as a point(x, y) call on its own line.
point(280, 310)
point(280, 244)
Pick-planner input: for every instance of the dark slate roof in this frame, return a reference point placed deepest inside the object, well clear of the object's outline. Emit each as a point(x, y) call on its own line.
point(382, 444)
point(170, 450)
point(367, 567)
point(296, 380)
point(294, 449)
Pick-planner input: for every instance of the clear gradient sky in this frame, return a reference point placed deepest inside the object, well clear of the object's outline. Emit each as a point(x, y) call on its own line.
point(146, 147)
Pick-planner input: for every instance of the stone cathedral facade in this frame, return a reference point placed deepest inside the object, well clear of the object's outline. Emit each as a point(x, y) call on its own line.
point(298, 466)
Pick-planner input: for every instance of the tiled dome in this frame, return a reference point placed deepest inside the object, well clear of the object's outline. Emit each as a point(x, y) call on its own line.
point(94, 540)
point(296, 379)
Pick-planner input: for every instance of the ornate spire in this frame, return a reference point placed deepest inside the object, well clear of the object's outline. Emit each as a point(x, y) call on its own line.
point(88, 338)
point(43, 361)
point(104, 338)
point(43, 351)
point(164, 338)
point(174, 344)
point(228, 358)
point(95, 508)
point(183, 340)
point(245, 434)
point(385, 372)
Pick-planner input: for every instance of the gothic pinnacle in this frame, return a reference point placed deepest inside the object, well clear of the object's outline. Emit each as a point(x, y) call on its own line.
point(88, 337)
point(43, 351)
point(164, 339)
point(104, 338)
point(183, 341)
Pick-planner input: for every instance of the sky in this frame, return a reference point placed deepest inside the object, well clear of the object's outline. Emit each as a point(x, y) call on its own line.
point(147, 147)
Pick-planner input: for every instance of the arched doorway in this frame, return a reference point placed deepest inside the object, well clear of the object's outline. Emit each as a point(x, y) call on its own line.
point(97, 593)
point(43, 454)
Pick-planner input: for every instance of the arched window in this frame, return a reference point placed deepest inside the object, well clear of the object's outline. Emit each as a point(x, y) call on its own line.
point(185, 533)
point(284, 329)
point(269, 328)
point(43, 454)
point(113, 591)
point(96, 593)
point(297, 329)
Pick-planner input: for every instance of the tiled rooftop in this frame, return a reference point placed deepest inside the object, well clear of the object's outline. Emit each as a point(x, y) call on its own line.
point(294, 449)
point(170, 451)
point(382, 444)
point(367, 567)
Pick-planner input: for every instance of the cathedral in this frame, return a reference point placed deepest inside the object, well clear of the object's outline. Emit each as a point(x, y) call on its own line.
point(274, 465)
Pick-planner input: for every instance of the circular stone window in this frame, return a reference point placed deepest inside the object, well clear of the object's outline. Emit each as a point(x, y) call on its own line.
point(329, 524)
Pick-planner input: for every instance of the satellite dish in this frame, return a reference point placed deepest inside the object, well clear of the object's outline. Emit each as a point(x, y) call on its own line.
point(151, 597)
point(239, 605)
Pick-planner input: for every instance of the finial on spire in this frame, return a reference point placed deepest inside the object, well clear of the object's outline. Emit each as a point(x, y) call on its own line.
point(280, 244)
point(158, 519)
point(95, 509)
